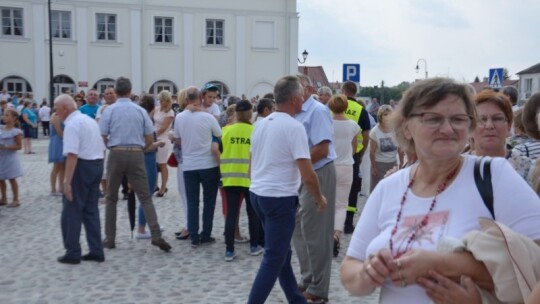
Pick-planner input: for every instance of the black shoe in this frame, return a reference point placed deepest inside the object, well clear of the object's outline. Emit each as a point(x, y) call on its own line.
point(159, 194)
point(95, 258)
point(63, 259)
point(348, 229)
point(162, 244)
point(336, 246)
point(108, 244)
point(182, 237)
point(208, 241)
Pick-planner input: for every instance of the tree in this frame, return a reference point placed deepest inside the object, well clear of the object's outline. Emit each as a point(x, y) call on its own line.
point(476, 79)
point(506, 74)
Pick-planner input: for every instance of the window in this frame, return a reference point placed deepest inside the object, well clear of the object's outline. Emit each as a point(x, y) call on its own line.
point(528, 85)
point(106, 27)
point(12, 21)
point(163, 30)
point(214, 32)
point(61, 24)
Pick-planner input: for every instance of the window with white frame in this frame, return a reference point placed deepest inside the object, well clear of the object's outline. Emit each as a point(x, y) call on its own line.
point(163, 30)
point(106, 27)
point(214, 32)
point(12, 21)
point(61, 24)
point(528, 85)
point(263, 34)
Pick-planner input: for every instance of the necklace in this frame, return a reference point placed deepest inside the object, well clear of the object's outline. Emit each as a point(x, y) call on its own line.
point(440, 188)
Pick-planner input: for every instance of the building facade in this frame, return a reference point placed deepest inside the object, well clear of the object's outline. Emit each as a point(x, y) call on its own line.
point(242, 45)
point(529, 82)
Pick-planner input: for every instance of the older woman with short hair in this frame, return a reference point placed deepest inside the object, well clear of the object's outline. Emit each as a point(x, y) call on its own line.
point(410, 213)
point(163, 116)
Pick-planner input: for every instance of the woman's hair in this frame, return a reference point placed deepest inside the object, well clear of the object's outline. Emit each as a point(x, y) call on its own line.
point(165, 101)
point(147, 103)
point(338, 103)
point(182, 98)
point(498, 99)
point(27, 103)
point(518, 123)
point(383, 110)
point(243, 116)
point(529, 118)
point(426, 94)
point(13, 113)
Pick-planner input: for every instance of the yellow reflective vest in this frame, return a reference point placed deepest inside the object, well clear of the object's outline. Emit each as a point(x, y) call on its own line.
point(234, 163)
point(353, 113)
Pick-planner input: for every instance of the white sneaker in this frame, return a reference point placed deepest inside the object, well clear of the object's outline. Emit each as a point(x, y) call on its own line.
point(143, 236)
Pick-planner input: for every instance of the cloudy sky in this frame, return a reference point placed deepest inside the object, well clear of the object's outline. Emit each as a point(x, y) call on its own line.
point(459, 38)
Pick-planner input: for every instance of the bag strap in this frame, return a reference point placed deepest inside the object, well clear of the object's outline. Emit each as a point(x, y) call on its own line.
point(483, 182)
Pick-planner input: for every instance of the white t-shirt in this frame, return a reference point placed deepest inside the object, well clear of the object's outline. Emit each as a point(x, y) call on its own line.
point(82, 137)
point(195, 130)
point(387, 147)
point(276, 143)
point(456, 212)
point(344, 132)
point(213, 109)
point(44, 113)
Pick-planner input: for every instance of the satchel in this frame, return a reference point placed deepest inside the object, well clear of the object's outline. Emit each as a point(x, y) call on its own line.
point(483, 182)
point(172, 161)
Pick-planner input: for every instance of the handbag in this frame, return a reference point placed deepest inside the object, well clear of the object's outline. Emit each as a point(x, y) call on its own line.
point(172, 162)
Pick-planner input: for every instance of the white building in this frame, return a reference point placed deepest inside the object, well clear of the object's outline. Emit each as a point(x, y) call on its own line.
point(242, 45)
point(529, 82)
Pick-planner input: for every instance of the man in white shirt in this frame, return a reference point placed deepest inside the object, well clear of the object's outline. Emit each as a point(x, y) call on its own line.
point(44, 114)
point(4, 95)
point(280, 161)
point(194, 131)
point(83, 148)
point(209, 95)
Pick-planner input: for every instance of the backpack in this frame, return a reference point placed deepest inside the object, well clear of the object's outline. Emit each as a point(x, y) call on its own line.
point(483, 182)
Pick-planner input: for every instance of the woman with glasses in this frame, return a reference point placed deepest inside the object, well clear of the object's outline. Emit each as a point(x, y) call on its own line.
point(415, 210)
point(494, 124)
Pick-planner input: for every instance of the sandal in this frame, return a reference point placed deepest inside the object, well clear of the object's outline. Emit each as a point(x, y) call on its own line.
point(336, 245)
point(3, 202)
point(241, 240)
point(13, 204)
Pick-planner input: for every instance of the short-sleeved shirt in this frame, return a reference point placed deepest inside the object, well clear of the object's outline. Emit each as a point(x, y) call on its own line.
point(214, 110)
point(276, 143)
point(82, 137)
point(90, 110)
point(44, 113)
point(319, 126)
point(530, 149)
point(387, 146)
point(195, 130)
point(126, 124)
point(159, 116)
point(344, 132)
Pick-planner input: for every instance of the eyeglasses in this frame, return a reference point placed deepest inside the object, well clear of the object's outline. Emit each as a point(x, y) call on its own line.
point(434, 120)
point(496, 120)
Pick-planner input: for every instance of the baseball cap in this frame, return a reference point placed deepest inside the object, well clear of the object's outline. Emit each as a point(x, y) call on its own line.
point(209, 87)
point(243, 105)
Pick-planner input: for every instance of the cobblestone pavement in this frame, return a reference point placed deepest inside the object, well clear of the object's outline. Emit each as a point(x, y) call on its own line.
point(134, 272)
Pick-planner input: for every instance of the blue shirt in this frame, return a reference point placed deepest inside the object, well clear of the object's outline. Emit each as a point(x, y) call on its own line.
point(31, 116)
point(89, 110)
point(319, 125)
point(126, 124)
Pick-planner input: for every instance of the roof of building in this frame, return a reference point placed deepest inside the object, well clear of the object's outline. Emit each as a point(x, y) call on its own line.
point(478, 86)
point(317, 75)
point(531, 70)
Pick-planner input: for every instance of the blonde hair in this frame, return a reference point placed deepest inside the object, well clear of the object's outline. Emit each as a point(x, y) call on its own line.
point(383, 110)
point(13, 114)
point(165, 101)
point(182, 98)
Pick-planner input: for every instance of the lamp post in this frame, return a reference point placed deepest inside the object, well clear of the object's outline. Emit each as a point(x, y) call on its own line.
point(425, 66)
point(304, 56)
point(51, 72)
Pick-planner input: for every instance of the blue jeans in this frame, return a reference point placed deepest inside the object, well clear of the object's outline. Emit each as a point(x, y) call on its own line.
point(151, 172)
point(209, 179)
point(277, 215)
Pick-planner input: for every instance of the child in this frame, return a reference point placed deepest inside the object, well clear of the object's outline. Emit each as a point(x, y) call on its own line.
point(10, 166)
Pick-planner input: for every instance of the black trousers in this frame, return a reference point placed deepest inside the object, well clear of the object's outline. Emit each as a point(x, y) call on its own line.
point(234, 195)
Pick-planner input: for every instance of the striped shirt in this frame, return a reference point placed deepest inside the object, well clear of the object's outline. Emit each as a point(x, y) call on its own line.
point(529, 149)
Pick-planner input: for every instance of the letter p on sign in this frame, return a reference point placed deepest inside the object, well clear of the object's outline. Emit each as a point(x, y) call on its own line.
point(351, 72)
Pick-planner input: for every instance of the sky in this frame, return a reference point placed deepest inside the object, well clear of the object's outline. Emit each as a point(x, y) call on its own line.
point(460, 39)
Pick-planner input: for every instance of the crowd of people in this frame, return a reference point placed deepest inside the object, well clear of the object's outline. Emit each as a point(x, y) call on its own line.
point(293, 158)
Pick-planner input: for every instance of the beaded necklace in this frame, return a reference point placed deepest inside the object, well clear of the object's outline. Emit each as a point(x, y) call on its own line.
point(440, 188)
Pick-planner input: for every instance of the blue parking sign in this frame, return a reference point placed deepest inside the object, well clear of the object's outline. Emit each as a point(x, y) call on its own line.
point(351, 72)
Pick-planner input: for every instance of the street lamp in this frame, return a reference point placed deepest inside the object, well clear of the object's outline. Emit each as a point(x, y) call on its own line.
point(425, 66)
point(304, 55)
point(51, 72)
